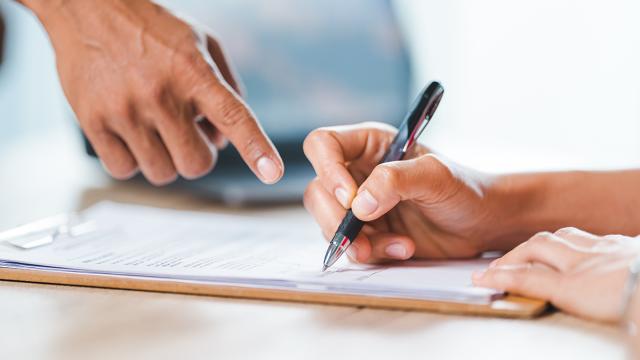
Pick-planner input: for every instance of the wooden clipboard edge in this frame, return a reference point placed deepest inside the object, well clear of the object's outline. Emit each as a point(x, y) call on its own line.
point(509, 306)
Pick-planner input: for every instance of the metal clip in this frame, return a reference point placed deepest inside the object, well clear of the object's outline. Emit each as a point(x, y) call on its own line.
point(46, 231)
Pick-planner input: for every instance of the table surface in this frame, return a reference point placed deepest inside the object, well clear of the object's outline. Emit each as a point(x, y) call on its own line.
point(49, 175)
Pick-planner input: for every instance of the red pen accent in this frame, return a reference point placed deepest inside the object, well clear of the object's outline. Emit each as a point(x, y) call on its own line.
point(415, 133)
point(344, 242)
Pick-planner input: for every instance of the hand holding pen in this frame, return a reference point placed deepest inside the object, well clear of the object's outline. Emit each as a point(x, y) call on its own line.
point(422, 206)
point(415, 122)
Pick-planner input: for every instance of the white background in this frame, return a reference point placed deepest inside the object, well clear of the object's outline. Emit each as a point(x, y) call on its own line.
point(546, 84)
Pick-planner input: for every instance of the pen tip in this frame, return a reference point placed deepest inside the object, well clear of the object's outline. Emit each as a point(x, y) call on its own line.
point(324, 268)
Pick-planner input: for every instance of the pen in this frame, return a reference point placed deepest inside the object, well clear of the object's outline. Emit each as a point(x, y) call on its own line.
point(414, 123)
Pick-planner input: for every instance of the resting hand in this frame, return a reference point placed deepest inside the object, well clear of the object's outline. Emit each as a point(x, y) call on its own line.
point(576, 271)
point(138, 77)
point(423, 207)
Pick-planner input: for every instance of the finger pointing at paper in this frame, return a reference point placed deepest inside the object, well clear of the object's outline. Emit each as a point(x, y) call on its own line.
point(138, 78)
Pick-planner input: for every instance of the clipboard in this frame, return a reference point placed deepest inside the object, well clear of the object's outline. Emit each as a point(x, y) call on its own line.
point(46, 231)
point(509, 306)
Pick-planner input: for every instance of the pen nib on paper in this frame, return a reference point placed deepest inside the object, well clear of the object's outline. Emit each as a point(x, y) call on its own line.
point(324, 268)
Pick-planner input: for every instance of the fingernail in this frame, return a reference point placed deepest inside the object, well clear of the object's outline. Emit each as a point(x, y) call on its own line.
point(478, 274)
point(364, 203)
point(343, 197)
point(396, 251)
point(268, 170)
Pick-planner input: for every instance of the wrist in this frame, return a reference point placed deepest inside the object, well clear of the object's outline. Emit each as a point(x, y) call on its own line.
point(516, 200)
point(43, 9)
point(65, 16)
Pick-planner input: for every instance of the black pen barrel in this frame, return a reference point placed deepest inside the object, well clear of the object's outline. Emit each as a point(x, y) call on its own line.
point(350, 226)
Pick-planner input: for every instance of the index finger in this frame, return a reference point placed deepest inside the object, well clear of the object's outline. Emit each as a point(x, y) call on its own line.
point(526, 280)
point(331, 149)
point(223, 107)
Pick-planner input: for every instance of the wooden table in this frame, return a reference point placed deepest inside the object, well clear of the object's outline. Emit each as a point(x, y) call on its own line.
point(50, 175)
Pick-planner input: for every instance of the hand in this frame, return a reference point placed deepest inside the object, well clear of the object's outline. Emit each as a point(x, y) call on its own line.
point(580, 273)
point(425, 206)
point(138, 77)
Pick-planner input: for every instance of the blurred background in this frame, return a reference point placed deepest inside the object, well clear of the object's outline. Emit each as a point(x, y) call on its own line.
point(547, 84)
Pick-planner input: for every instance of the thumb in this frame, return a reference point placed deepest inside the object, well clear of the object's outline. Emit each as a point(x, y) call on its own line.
point(425, 179)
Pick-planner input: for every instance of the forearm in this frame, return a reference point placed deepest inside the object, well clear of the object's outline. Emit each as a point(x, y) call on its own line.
point(598, 202)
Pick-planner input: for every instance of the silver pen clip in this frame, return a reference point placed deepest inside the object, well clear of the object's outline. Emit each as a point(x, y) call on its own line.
point(46, 231)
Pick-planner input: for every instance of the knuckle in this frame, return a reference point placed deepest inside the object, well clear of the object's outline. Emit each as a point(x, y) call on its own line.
point(566, 231)
point(154, 92)
point(313, 199)
point(158, 169)
point(309, 192)
point(249, 146)
point(306, 198)
point(182, 136)
point(617, 238)
point(388, 175)
point(122, 121)
point(541, 237)
point(189, 59)
point(120, 168)
point(121, 111)
point(443, 180)
point(194, 68)
point(436, 165)
point(315, 138)
point(162, 177)
point(198, 165)
point(84, 112)
point(119, 165)
point(93, 127)
point(121, 171)
point(232, 112)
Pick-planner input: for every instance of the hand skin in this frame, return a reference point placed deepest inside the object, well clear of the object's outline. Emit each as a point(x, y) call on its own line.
point(429, 207)
point(578, 272)
point(138, 77)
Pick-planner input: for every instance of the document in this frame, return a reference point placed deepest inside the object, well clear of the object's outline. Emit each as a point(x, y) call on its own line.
point(151, 243)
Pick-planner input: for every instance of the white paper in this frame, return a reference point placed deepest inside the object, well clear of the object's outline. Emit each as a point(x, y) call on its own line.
point(236, 250)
